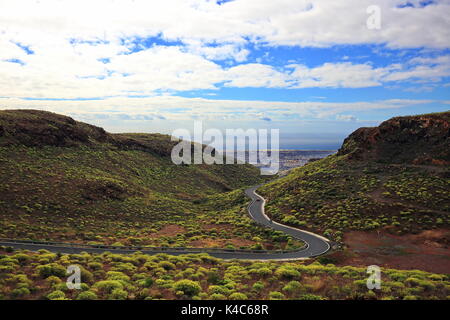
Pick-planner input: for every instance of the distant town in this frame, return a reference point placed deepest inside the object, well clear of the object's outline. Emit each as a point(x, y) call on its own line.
point(289, 159)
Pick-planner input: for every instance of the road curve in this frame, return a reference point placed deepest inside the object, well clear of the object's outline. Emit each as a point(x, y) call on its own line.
point(315, 244)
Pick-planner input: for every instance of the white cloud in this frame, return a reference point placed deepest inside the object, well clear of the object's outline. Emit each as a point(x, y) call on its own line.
point(178, 108)
point(282, 22)
point(346, 117)
point(345, 75)
point(71, 41)
point(256, 75)
point(75, 70)
point(220, 52)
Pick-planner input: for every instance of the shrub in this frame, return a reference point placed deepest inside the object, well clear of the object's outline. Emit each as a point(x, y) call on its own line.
point(287, 273)
point(275, 295)
point(370, 295)
point(87, 295)
point(20, 292)
point(56, 295)
point(360, 284)
point(292, 286)
point(116, 275)
point(219, 289)
point(217, 296)
point(264, 272)
point(95, 266)
point(166, 265)
point(238, 296)
point(214, 277)
point(108, 285)
point(6, 269)
point(436, 277)
point(124, 267)
point(258, 286)
point(148, 282)
point(118, 294)
point(412, 281)
point(52, 269)
point(86, 276)
point(188, 287)
point(22, 258)
point(52, 280)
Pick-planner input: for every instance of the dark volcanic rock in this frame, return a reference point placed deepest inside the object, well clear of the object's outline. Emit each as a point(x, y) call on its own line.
point(35, 128)
point(39, 128)
point(423, 139)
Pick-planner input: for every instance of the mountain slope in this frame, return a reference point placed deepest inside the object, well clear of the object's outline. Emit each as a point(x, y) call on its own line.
point(423, 139)
point(393, 177)
point(70, 181)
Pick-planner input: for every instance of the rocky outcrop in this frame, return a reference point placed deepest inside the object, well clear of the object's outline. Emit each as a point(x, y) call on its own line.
point(36, 128)
point(40, 128)
point(423, 139)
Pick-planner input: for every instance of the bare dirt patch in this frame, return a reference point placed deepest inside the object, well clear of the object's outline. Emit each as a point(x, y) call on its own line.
point(218, 227)
point(168, 231)
point(428, 250)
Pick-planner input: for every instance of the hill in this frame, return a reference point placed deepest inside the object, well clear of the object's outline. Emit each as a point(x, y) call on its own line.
point(392, 179)
point(423, 139)
point(70, 181)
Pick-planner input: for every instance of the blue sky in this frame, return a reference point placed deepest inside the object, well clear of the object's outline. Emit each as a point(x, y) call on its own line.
point(315, 70)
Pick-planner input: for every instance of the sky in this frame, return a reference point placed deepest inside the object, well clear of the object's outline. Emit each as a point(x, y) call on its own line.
point(315, 70)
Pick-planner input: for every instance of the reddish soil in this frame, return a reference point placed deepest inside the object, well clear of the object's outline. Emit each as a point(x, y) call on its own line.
point(218, 227)
point(428, 251)
point(169, 230)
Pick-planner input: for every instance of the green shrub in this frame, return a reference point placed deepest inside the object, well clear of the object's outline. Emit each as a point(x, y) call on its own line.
point(148, 282)
point(188, 287)
point(51, 269)
point(118, 294)
point(108, 286)
point(95, 266)
point(166, 265)
point(264, 272)
point(87, 295)
point(292, 287)
point(116, 275)
point(238, 296)
point(52, 280)
point(56, 295)
point(258, 286)
point(219, 289)
point(275, 295)
point(412, 281)
point(22, 258)
point(214, 277)
point(287, 273)
point(20, 292)
point(217, 296)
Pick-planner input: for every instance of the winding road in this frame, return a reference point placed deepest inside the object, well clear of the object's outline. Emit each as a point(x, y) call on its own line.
point(315, 244)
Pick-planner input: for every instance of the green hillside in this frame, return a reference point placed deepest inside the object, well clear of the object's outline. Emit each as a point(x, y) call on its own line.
point(395, 177)
point(70, 181)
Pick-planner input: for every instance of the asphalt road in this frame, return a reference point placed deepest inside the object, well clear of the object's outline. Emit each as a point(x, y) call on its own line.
point(315, 244)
